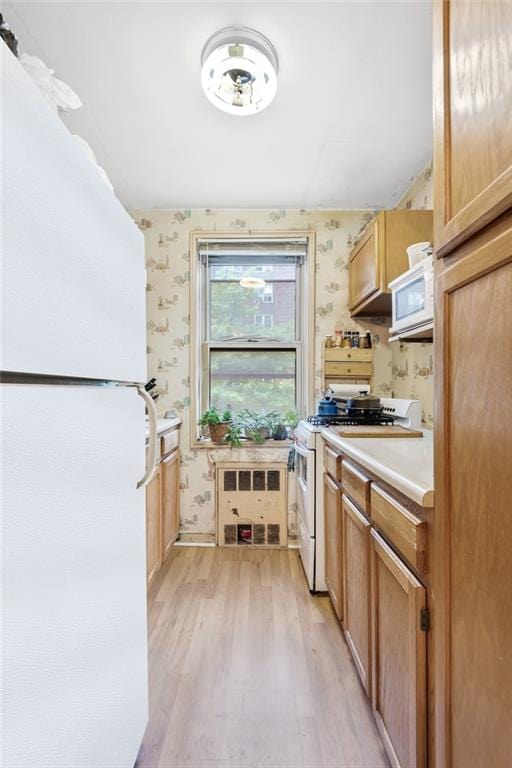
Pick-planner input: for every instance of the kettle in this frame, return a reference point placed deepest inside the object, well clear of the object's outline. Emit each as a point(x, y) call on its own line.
point(327, 407)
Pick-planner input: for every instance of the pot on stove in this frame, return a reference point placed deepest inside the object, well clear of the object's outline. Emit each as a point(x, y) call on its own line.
point(363, 402)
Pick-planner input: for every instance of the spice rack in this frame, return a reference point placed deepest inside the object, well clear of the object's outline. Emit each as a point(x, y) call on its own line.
point(347, 365)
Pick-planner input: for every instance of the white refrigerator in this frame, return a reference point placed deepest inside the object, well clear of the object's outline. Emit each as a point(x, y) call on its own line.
point(73, 450)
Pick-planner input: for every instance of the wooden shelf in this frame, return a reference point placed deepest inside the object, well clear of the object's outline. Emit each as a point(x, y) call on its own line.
point(347, 365)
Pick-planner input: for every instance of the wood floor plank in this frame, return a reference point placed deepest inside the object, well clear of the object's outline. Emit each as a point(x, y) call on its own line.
point(248, 670)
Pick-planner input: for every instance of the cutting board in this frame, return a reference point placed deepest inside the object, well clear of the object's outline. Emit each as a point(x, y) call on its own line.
point(361, 430)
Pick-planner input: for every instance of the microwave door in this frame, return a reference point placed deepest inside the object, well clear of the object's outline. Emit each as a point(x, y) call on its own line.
point(409, 303)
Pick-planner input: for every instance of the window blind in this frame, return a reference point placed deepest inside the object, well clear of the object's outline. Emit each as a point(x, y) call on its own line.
point(250, 252)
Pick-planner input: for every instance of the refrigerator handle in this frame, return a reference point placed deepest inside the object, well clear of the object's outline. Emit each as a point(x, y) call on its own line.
point(153, 437)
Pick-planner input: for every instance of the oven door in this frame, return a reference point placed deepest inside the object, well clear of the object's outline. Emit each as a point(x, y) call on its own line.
point(305, 473)
point(305, 477)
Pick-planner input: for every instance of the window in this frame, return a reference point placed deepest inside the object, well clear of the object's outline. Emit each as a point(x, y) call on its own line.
point(268, 294)
point(250, 324)
point(263, 321)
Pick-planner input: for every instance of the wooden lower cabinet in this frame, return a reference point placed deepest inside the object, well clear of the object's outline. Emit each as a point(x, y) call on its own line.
point(170, 470)
point(398, 649)
point(356, 587)
point(153, 526)
point(333, 543)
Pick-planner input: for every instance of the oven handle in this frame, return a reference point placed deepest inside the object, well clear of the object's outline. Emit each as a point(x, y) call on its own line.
point(303, 451)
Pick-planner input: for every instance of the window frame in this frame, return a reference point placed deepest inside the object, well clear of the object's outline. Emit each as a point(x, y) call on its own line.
point(199, 337)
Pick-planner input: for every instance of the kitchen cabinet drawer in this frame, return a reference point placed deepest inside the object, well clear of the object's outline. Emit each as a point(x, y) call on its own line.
point(356, 588)
point(399, 657)
point(333, 544)
point(169, 441)
point(403, 529)
point(356, 485)
point(350, 369)
point(346, 354)
point(332, 463)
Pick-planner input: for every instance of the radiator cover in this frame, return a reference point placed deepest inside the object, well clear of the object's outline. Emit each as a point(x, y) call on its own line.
point(252, 505)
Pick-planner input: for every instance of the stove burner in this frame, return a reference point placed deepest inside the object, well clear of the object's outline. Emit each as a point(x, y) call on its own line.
point(353, 418)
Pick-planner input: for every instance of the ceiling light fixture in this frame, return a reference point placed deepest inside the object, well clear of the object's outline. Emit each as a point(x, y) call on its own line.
point(252, 282)
point(239, 70)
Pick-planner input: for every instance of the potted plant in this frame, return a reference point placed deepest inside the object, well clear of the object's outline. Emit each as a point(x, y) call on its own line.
point(258, 427)
point(234, 435)
point(216, 424)
point(290, 421)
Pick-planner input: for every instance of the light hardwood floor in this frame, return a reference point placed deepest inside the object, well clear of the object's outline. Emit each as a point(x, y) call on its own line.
point(248, 670)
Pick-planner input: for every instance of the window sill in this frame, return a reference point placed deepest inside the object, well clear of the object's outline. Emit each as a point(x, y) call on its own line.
point(246, 445)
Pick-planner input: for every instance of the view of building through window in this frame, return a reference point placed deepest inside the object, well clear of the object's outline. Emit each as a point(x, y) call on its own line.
point(263, 318)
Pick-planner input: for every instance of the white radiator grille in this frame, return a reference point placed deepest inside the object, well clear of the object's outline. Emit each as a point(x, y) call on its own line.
point(251, 504)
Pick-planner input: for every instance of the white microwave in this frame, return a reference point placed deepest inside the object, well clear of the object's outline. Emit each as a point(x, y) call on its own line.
point(412, 296)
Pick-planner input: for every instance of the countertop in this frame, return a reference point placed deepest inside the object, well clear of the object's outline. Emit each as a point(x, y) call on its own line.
point(164, 425)
point(407, 464)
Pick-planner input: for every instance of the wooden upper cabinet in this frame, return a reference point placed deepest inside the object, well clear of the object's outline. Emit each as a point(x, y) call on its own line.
point(356, 587)
point(399, 657)
point(379, 256)
point(170, 469)
point(472, 117)
point(333, 543)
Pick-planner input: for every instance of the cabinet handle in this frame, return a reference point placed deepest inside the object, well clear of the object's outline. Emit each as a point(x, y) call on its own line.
point(153, 436)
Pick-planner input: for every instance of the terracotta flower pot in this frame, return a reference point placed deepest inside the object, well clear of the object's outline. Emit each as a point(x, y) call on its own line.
point(218, 432)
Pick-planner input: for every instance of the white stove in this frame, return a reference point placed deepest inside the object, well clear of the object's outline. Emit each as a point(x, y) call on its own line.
point(309, 475)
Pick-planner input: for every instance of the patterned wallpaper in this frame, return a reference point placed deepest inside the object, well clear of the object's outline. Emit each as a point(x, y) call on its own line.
point(412, 364)
point(401, 370)
point(168, 330)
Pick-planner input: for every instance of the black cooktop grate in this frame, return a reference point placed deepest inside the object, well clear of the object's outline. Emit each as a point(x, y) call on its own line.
point(352, 419)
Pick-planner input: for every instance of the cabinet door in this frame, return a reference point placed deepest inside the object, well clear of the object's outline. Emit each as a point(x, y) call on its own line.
point(473, 117)
point(398, 657)
point(333, 543)
point(473, 520)
point(364, 264)
point(153, 527)
point(356, 587)
point(170, 468)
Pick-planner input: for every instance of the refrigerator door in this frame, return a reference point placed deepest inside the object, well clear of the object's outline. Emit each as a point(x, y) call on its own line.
point(74, 577)
point(73, 276)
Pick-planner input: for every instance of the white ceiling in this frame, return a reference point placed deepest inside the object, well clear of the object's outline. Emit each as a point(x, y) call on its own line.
point(350, 126)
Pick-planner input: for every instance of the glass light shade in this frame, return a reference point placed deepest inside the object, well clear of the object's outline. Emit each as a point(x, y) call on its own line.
point(252, 282)
point(239, 71)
